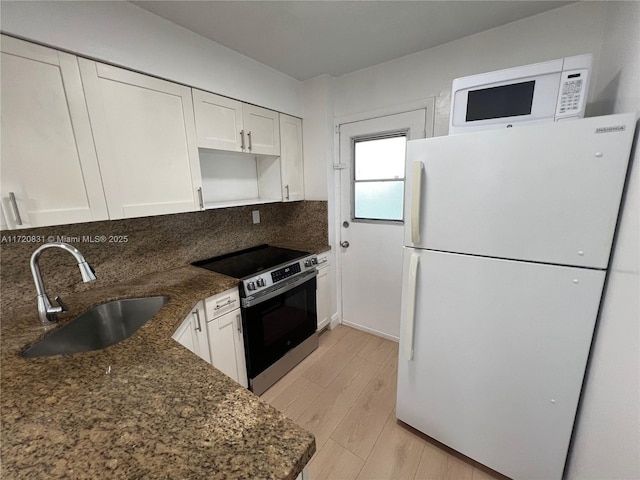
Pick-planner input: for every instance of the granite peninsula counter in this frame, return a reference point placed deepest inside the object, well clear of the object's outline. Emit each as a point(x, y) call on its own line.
point(144, 408)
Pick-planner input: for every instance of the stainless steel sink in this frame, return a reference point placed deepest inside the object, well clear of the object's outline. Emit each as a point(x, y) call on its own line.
point(100, 327)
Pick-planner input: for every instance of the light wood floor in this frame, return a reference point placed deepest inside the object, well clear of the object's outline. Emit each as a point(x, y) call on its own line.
point(345, 394)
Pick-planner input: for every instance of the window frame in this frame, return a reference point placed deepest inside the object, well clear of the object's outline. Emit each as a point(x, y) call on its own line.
point(378, 136)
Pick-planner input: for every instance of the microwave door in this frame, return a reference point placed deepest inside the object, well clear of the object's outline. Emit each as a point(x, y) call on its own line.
point(505, 101)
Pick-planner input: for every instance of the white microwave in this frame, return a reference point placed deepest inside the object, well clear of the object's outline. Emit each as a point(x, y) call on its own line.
point(541, 92)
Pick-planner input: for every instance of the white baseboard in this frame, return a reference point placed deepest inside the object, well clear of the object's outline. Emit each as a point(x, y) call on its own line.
point(335, 321)
point(371, 331)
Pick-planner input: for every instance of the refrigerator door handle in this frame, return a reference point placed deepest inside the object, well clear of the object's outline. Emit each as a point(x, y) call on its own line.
point(410, 311)
point(416, 195)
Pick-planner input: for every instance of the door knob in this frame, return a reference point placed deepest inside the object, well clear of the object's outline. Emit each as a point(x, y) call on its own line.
point(344, 244)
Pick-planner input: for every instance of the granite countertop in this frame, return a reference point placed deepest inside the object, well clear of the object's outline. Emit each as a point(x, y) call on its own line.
point(144, 408)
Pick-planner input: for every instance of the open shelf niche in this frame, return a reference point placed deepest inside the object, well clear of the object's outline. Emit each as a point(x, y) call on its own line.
point(231, 179)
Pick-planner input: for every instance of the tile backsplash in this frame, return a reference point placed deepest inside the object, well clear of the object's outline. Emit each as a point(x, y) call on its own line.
point(123, 249)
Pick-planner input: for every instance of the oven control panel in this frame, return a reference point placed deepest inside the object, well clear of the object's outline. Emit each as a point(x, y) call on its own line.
point(285, 272)
point(271, 277)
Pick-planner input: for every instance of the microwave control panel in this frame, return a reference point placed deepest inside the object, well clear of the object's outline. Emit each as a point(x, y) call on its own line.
point(572, 93)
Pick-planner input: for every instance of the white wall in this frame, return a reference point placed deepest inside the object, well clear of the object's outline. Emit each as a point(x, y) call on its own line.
point(606, 441)
point(317, 110)
point(123, 34)
point(607, 437)
point(566, 31)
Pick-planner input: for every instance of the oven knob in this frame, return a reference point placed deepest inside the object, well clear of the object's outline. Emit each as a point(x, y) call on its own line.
point(314, 261)
point(251, 285)
point(307, 263)
point(260, 282)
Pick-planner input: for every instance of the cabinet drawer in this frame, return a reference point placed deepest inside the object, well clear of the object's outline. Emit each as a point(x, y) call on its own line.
point(222, 303)
point(323, 259)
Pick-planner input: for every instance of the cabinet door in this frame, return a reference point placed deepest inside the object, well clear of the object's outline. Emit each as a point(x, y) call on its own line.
point(145, 138)
point(49, 162)
point(192, 333)
point(291, 158)
point(262, 128)
point(322, 297)
point(218, 122)
point(227, 346)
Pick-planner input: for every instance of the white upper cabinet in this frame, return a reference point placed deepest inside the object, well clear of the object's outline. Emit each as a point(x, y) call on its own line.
point(263, 130)
point(219, 122)
point(50, 174)
point(145, 138)
point(226, 124)
point(291, 158)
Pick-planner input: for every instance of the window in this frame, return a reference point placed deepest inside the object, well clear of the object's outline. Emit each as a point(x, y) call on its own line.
point(378, 187)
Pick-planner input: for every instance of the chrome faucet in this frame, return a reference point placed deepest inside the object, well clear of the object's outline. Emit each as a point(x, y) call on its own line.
point(48, 313)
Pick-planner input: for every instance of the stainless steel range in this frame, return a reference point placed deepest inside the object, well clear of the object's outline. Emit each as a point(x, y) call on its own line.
point(278, 304)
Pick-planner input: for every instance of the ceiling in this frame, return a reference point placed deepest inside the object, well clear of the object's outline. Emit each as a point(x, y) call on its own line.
point(304, 39)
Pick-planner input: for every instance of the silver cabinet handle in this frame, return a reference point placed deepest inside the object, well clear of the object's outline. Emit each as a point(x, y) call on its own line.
point(222, 305)
point(239, 324)
point(287, 188)
point(198, 326)
point(200, 198)
point(14, 205)
point(250, 145)
point(242, 139)
point(344, 244)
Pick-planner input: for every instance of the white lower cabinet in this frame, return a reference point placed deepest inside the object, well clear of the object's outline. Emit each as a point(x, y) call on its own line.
point(213, 331)
point(226, 342)
point(323, 292)
point(192, 333)
point(227, 346)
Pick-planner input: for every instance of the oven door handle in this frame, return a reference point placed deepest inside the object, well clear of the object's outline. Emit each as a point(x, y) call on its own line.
point(278, 289)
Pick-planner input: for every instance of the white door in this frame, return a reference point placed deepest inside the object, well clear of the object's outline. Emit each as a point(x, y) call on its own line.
point(371, 224)
point(50, 172)
point(145, 137)
point(547, 193)
point(499, 353)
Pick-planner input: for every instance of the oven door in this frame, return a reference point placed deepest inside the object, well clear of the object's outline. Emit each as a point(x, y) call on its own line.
point(278, 320)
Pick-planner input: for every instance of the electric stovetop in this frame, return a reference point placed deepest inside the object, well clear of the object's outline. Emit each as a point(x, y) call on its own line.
point(246, 263)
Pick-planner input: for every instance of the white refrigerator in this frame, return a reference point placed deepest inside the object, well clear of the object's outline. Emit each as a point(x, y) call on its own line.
point(508, 235)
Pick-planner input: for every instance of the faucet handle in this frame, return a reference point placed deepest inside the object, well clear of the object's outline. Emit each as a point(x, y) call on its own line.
point(62, 305)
